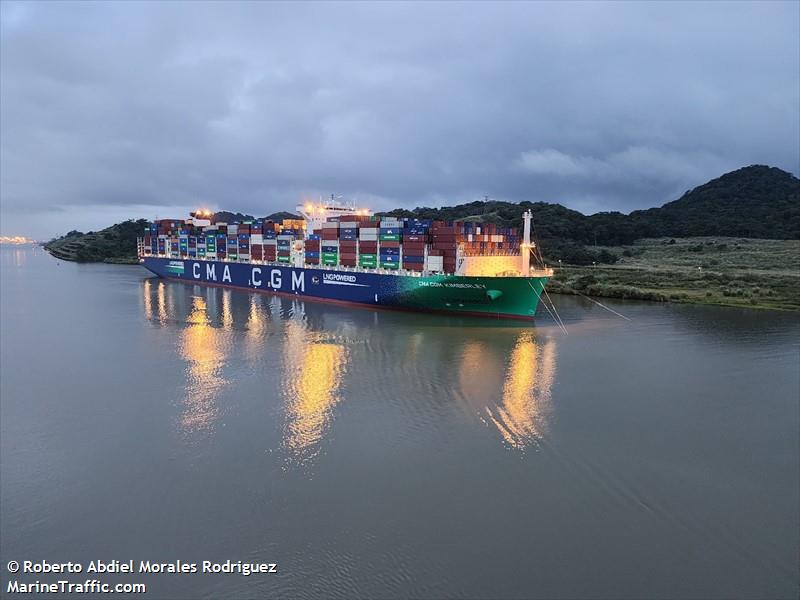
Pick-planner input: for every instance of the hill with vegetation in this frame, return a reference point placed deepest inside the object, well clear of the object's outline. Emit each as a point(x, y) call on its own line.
point(224, 216)
point(115, 244)
point(756, 202)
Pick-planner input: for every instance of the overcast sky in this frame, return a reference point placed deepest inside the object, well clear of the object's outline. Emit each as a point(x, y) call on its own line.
point(112, 110)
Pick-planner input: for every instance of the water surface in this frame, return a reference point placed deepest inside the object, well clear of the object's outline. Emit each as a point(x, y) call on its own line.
point(379, 454)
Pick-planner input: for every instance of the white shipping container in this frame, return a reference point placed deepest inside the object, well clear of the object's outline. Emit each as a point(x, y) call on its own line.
point(368, 238)
point(374, 230)
point(257, 238)
point(330, 225)
point(270, 242)
point(435, 263)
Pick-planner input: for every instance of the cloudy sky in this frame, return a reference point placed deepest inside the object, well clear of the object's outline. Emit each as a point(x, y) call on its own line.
point(113, 110)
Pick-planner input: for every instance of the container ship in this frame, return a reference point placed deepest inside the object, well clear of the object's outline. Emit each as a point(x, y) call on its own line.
point(338, 253)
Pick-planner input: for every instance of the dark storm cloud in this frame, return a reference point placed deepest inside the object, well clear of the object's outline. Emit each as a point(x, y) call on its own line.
point(111, 109)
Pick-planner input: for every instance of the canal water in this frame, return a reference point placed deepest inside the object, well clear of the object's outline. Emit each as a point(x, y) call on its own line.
point(373, 454)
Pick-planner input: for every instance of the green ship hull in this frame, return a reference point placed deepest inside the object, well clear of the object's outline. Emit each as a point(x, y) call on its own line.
point(503, 297)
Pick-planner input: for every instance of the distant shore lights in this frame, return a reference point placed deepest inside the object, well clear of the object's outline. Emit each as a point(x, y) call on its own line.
point(15, 240)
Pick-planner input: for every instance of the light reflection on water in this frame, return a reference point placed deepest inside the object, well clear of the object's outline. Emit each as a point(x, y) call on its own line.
point(522, 418)
point(204, 348)
point(505, 376)
point(313, 369)
point(520, 412)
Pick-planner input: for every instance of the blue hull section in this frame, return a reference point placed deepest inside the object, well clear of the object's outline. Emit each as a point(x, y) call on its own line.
point(363, 288)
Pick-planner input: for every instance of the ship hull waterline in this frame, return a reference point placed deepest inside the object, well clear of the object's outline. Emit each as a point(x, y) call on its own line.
point(489, 297)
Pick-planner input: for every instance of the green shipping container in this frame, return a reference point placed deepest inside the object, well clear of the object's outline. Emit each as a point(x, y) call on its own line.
point(386, 265)
point(389, 238)
point(283, 259)
point(330, 255)
point(370, 264)
point(372, 257)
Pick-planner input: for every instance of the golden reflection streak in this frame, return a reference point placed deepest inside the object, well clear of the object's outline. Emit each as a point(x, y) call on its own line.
point(204, 349)
point(148, 301)
point(227, 314)
point(313, 373)
point(256, 329)
point(522, 417)
point(161, 298)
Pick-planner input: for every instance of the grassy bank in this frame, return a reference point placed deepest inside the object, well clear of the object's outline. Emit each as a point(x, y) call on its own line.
point(701, 270)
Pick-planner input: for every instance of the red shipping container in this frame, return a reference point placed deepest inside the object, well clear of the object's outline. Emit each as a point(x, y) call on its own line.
point(390, 244)
point(347, 262)
point(368, 247)
point(346, 245)
point(413, 266)
point(330, 234)
point(413, 246)
point(348, 255)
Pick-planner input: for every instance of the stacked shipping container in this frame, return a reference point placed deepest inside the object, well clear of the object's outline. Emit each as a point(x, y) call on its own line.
point(363, 241)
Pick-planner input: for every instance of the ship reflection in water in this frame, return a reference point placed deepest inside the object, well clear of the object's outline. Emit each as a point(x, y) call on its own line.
point(158, 314)
point(503, 376)
point(314, 366)
point(521, 415)
point(203, 347)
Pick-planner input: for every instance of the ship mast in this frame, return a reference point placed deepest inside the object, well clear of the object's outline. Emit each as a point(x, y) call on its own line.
point(525, 247)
